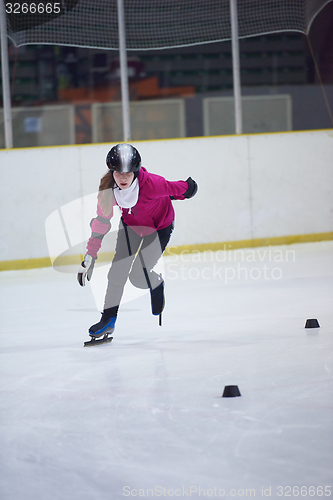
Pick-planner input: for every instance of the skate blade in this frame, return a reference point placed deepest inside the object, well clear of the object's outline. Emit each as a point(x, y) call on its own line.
point(101, 340)
point(93, 342)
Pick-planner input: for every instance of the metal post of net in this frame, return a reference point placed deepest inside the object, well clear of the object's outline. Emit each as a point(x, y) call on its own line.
point(5, 79)
point(123, 72)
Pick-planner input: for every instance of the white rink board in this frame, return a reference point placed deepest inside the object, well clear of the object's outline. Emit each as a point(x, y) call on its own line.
point(250, 186)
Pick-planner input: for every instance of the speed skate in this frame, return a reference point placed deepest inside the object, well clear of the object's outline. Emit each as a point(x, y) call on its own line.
point(107, 338)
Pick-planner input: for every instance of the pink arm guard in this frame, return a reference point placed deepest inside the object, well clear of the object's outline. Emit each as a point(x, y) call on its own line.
point(93, 246)
point(99, 227)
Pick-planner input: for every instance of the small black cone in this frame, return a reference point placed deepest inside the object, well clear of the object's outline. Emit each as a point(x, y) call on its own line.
point(312, 323)
point(231, 391)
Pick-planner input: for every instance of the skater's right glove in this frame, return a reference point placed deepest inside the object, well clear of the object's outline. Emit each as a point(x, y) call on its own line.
point(86, 269)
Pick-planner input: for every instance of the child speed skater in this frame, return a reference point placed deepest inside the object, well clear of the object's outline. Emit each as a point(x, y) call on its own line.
point(146, 224)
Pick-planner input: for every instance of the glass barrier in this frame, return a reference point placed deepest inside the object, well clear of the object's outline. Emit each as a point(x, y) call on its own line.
point(70, 95)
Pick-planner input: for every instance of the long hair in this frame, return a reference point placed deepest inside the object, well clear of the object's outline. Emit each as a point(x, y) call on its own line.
point(105, 193)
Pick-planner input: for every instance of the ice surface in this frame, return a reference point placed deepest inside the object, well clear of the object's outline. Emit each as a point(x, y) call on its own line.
point(143, 416)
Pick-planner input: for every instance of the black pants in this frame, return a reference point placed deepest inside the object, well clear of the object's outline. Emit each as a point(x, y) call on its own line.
point(134, 258)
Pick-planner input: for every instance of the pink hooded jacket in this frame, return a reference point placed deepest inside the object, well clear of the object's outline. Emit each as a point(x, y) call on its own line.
point(153, 210)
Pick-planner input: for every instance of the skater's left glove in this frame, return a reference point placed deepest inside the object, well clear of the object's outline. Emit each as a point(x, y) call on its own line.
point(192, 188)
point(86, 269)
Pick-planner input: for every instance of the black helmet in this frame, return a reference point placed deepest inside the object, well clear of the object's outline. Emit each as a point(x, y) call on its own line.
point(123, 158)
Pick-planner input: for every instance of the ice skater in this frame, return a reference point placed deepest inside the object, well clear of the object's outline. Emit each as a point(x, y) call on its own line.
point(147, 221)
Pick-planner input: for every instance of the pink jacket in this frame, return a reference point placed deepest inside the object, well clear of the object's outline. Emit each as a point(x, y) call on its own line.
point(153, 210)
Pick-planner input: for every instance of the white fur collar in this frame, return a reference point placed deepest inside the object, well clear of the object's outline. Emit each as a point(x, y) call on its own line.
point(127, 198)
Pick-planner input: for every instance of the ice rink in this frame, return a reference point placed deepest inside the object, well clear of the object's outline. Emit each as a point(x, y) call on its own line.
point(144, 416)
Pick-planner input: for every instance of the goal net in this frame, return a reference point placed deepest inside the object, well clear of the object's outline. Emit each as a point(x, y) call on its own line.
point(151, 24)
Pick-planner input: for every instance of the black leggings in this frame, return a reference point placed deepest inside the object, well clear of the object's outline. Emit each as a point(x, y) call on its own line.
point(135, 258)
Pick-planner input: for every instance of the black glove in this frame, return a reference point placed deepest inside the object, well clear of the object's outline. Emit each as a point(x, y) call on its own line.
point(192, 188)
point(86, 269)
